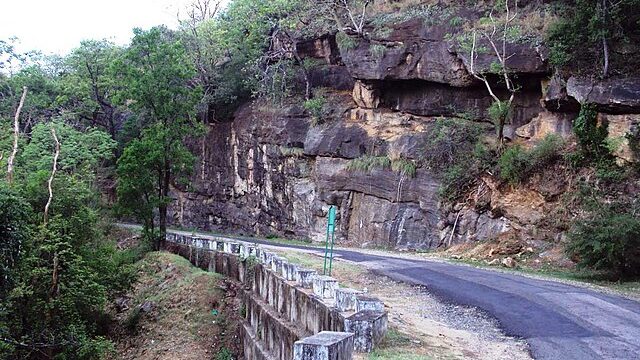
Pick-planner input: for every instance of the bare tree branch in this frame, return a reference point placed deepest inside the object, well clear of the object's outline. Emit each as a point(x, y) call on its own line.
point(16, 135)
point(53, 173)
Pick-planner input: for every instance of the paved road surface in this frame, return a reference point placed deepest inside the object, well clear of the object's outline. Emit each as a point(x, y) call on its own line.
point(558, 321)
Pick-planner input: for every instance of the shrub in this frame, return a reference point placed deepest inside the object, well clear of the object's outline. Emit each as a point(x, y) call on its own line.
point(592, 137)
point(607, 241)
point(315, 107)
point(346, 42)
point(455, 153)
point(517, 163)
point(224, 354)
point(514, 163)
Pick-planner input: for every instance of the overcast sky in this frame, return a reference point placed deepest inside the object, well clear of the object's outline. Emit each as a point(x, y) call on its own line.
point(57, 26)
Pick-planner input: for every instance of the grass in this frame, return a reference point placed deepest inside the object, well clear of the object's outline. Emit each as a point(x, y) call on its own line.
point(368, 163)
point(397, 346)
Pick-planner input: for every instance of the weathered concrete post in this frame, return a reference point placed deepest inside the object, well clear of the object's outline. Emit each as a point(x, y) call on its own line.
point(369, 328)
point(325, 345)
point(325, 286)
point(305, 277)
point(346, 299)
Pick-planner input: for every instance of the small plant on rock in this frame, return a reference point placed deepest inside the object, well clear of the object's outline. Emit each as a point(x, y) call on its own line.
point(315, 107)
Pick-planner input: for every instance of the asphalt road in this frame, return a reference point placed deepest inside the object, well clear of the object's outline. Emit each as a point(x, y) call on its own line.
point(557, 320)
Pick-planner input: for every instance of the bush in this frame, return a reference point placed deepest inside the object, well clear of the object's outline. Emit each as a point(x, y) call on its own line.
point(607, 241)
point(346, 42)
point(315, 107)
point(516, 163)
point(224, 354)
point(592, 137)
point(456, 154)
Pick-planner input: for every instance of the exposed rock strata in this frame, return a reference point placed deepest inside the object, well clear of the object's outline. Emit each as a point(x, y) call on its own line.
point(271, 172)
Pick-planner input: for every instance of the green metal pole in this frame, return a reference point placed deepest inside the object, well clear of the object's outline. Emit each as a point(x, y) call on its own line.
point(326, 251)
point(331, 258)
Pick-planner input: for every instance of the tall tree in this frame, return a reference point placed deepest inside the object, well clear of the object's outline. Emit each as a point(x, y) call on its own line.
point(87, 85)
point(157, 77)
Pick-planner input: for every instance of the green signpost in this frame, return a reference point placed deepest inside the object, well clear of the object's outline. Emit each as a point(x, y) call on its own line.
point(328, 251)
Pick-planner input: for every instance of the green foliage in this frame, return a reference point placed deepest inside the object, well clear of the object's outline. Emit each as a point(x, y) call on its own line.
point(499, 110)
point(377, 50)
point(14, 231)
point(315, 106)
point(224, 354)
point(346, 42)
point(608, 240)
point(291, 152)
point(383, 32)
point(157, 74)
point(455, 153)
point(368, 163)
point(517, 164)
point(404, 167)
point(81, 153)
point(576, 40)
point(591, 135)
point(431, 14)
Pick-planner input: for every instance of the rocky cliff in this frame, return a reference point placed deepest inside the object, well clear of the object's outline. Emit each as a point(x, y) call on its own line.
point(274, 170)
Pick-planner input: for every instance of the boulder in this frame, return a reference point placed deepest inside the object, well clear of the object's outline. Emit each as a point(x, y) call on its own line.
point(547, 123)
point(366, 95)
point(613, 96)
point(417, 50)
point(620, 128)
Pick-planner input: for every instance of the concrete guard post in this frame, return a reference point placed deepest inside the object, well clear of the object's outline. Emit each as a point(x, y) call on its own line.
point(346, 299)
point(325, 286)
point(304, 278)
point(325, 345)
point(364, 302)
point(369, 328)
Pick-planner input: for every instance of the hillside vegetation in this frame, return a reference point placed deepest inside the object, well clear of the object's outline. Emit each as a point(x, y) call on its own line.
point(427, 123)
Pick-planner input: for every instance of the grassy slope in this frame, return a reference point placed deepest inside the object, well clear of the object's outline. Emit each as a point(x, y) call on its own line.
point(193, 314)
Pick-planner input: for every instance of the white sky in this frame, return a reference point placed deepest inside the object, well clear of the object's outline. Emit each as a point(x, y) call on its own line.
point(57, 26)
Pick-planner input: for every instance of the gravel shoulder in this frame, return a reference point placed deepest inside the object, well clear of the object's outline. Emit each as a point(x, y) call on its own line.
point(421, 326)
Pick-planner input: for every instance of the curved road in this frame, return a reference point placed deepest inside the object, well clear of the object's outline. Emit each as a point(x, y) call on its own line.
point(557, 320)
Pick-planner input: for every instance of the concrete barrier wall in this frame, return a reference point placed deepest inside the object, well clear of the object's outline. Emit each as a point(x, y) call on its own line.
point(290, 312)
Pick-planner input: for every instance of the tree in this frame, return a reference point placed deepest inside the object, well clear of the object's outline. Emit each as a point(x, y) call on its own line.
point(495, 30)
point(87, 86)
point(593, 34)
point(16, 136)
point(55, 290)
point(157, 79)
point(14, 231)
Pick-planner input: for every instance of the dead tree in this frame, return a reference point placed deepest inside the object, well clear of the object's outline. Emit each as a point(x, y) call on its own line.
point(495, 35)
point(53, 174)
point(16, 135)
point(355, 16)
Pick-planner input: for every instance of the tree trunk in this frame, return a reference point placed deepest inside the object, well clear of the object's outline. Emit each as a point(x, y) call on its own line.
point(162, 209)
point(16, 135)
point(605, 43)
point(53, 174)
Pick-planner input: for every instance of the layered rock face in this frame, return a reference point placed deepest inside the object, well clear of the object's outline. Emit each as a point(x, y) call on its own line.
point(271, 172)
